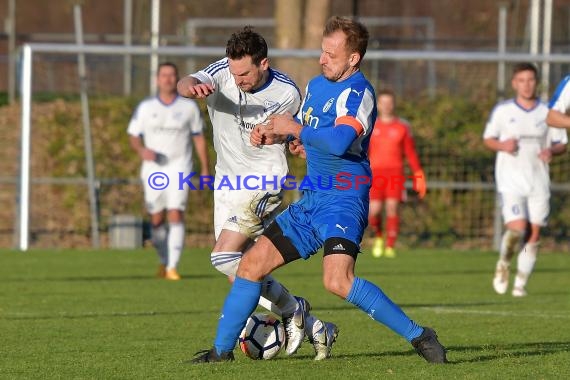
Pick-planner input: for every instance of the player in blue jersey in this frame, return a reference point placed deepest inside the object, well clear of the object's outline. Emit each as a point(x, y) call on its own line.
point(559, 105)
point(334, 126)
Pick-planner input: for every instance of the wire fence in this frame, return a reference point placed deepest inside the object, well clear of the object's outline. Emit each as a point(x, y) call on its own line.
point(459, 211)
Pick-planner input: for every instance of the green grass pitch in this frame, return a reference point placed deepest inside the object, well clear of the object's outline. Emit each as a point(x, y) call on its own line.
point(102, 314)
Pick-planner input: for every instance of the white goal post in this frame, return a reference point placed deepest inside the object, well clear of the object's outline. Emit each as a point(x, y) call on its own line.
point(28, 51)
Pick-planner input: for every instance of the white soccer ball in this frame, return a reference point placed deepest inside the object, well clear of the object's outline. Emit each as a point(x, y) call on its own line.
point(262, 337)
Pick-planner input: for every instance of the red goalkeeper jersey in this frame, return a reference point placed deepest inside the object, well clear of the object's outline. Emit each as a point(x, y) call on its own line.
point(389, 143)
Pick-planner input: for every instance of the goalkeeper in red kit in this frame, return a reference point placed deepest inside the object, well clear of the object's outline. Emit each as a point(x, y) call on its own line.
point(391, 140)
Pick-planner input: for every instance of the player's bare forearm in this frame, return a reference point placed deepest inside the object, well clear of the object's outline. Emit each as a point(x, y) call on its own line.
point(558, 119)
point(138, 146)
point(508, 146)
point(284, 125)
point(191, 87)
point(202, 153)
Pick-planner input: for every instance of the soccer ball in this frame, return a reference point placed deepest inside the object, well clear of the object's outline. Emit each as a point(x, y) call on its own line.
point(262, 337)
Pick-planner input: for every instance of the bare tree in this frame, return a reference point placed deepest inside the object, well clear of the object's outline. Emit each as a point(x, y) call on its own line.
point(300, 25)
point(317, 13)
point(289, 30)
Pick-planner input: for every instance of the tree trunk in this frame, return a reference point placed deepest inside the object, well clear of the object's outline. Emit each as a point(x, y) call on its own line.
point(288, 30)
point(317, 13)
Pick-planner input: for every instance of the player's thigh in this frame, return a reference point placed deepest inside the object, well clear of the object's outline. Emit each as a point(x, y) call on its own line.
point(513, 207)
point(298, 226)
point(392, 205)
point(251, 211)
point(342, 217)
point(222, 209)
point(231, 241)
point(176, 199)
point(154, 200)
point(375, 207)
point(260, 260)
point(539, 209)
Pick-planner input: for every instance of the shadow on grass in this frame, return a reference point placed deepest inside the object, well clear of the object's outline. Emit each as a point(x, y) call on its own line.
point(484, 353)
point(480, 353)
point(348, 306)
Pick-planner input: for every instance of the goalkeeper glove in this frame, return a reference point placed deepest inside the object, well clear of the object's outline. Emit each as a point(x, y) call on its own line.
point(420, 185)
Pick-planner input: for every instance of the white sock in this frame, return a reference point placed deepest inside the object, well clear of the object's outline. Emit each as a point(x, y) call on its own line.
point(525, 264)
point(512, 240)
point(269, 306)
point(175, 244)
point(226, 262)
point(276, 293)
point(312, 325)
point(274, 296)
point(159, 235)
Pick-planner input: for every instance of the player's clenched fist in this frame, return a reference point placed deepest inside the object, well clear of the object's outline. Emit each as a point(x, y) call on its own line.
point(420, 184)
point(297, 149)
point(262, 134)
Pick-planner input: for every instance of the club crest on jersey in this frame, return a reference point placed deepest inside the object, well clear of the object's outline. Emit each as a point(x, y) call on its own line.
point(269, 106)
point(328, 105)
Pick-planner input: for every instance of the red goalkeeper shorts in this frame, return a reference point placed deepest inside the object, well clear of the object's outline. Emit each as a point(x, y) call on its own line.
point(388, 184)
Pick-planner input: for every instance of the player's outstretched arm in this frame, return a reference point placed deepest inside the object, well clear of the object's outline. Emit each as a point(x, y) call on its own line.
point(557, 119)
point(419, 177)
point(284, 125)
point(191, 87)
point(202, 153)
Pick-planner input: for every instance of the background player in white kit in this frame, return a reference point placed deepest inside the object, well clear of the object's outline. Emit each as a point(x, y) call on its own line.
point(524, 143)
point(242, 91)
point(161, 131)
point(559, 105)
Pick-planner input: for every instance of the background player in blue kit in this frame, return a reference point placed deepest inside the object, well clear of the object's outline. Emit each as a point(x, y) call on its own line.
point(334, 125)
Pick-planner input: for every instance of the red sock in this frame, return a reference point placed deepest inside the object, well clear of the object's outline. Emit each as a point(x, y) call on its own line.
point(375, 222)
point(392, 227)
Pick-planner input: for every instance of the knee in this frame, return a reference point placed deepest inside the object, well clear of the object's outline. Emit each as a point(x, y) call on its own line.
point(250, 268)
point(337, 285)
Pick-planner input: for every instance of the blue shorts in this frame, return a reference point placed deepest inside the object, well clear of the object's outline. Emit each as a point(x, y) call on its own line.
point(318, 216)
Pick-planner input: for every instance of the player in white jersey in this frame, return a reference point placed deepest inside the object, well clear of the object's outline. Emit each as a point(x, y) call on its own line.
point(525, 144)
point(161, 131)
point(559, 105)
point(242, 91)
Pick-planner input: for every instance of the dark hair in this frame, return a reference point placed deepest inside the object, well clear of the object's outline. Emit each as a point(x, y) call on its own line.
point(247, 42)
point(356, 33)
point(167, 64)
point(525, 66)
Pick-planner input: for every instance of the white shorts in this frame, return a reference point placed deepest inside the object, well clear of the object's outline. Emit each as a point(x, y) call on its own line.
point(535, 209)
point(245, 211)
point(169, 198)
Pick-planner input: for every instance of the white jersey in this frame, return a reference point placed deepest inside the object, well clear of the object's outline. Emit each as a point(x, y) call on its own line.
point(167, 129)
point(561, 99)
point(234, 113)
point(523, 173)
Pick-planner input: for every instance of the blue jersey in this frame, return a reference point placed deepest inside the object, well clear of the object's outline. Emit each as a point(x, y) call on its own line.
point(328, 104)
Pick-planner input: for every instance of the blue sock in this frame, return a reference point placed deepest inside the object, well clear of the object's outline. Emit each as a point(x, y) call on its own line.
point(240, 303)
point(370, 299)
